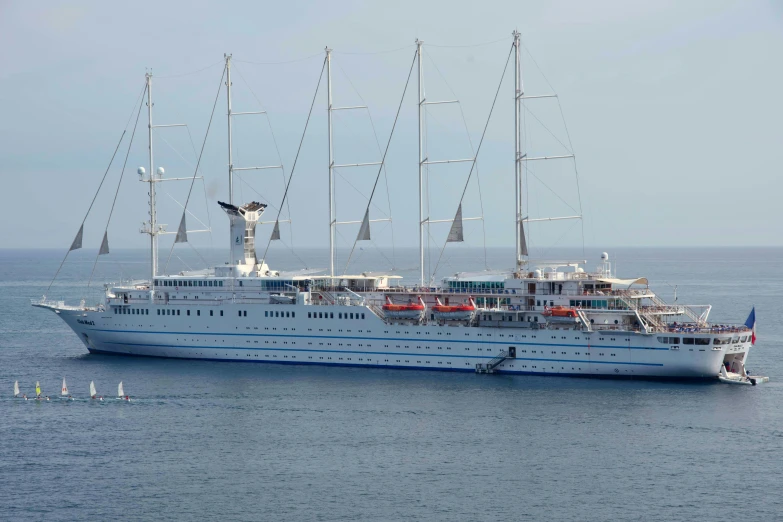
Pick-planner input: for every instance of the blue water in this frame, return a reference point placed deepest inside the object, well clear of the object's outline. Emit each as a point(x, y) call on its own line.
point(240, 441)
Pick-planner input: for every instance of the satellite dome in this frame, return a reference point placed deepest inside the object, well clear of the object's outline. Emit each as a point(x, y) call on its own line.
point(141, 171)
point(605, 256)
point(161, 171)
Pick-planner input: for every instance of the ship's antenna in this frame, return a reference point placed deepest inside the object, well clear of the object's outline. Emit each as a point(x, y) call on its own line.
point(419, 43)
point(331, 161)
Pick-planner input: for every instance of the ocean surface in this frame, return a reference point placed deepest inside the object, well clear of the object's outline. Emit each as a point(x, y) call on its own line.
point(244, 441)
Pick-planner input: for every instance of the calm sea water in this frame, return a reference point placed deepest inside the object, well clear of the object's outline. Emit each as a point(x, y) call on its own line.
point(240, 441)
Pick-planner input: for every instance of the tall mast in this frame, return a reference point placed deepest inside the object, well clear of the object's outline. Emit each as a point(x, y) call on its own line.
point(230, 156)
point(421, 162)
point(517, 152)
point(331, 159)
point(153, 217)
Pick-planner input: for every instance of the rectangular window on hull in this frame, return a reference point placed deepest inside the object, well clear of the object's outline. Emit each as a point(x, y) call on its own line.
point(687, 340)
point(210, 313)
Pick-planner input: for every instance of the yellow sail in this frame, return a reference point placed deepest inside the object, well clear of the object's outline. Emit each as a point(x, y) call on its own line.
point(37, 388)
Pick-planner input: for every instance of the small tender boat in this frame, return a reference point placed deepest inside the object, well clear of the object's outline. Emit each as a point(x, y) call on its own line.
point(16, 389)
point(460, 312)
point(404, 311)
point(740, 378)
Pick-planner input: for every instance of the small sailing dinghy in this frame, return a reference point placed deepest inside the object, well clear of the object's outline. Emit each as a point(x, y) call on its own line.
point(93, 393)
point(16, 390)
point(121, 393)
point(38, 391)
point(64, 392)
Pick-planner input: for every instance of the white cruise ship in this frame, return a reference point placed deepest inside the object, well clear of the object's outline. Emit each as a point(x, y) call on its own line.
point(547, 318)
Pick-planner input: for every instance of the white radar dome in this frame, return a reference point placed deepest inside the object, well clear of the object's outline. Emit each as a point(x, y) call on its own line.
point(141, 171)
point(161, 171)
point(605, 256)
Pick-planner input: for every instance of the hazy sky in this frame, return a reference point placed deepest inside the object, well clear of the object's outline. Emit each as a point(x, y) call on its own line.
point(673, 108)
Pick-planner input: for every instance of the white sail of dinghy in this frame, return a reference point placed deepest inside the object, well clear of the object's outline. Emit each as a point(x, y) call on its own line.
point(16, 388)
point(93, 393)
point(64, 391)
point(120, 391)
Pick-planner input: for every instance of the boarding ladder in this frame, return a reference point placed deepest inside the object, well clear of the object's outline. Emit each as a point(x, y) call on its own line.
point(492, 364)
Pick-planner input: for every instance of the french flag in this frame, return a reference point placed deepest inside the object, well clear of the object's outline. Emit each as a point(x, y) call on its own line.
point(751, 323)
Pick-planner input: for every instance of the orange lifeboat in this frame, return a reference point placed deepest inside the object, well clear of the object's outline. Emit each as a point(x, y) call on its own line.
point(459, 312)
point(560, 311)
point(404, 311)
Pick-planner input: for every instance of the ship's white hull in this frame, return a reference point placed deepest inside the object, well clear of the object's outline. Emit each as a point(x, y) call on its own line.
point(370, 342)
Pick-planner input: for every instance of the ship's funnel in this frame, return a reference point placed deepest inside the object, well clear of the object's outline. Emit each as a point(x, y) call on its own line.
point(243, 230)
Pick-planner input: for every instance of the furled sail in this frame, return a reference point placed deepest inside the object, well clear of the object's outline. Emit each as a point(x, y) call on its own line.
point(77, 241)
point(522, 242)
point(455, 234)
point(276, 231)
point(182, 231)
point(104, 244)
point(364, 230)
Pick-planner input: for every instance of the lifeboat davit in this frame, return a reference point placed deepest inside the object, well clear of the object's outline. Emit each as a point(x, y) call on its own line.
point(404, 311)
point(461, 312)
point(560, 312)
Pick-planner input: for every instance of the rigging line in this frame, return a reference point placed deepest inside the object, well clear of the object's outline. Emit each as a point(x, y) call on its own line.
point(96, 193)
point(185, 209)
point(378, 145)
point(198, 254)
point(260, 196)
point(536, 64)
point(298, 150)
point(576, 173)
point(198, 163)
point(283, 62)
point(566, 147)
point(473, 152)
point(291, 249)
point(274, 139)
point(530, 172)
point(553, 245)
point(374, 53)
point(481, 142)
point(339, 173)
point(385, 152)
point(189, 73)
point(469, 45)
point(204, 185)
point(116, 192)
